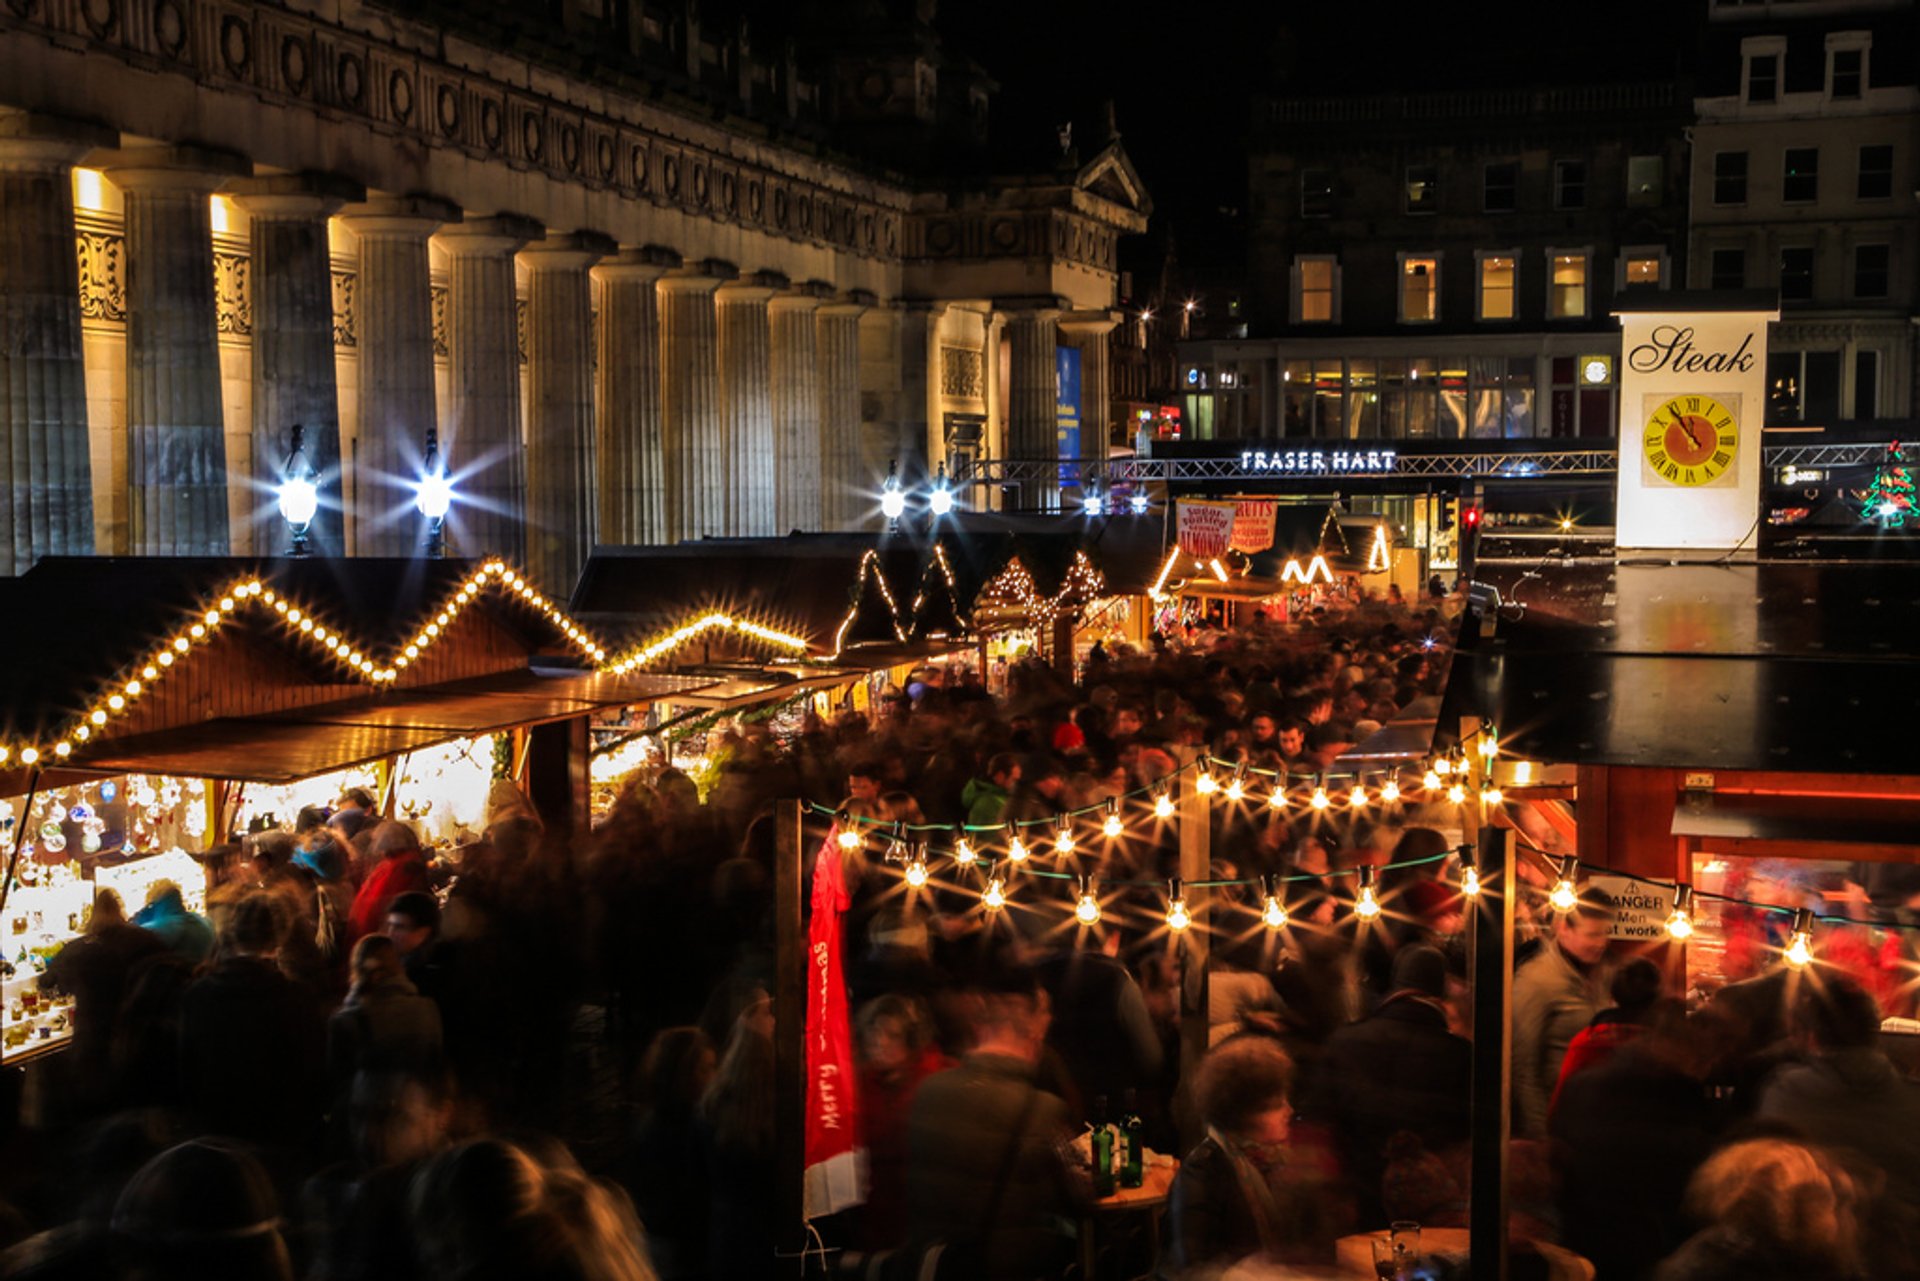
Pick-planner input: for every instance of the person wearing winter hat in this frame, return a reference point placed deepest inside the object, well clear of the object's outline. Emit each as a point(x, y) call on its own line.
point(166, 915)
point(204, 1208)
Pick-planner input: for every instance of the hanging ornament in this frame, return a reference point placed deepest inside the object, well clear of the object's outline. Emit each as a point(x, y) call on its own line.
point(50, 829)
point(81, 813)
point(108, 791)
point(55, 842)
point(90, 842)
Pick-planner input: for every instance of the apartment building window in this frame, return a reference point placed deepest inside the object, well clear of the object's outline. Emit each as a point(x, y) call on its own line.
point(1727, 269)
point(1316, 286)
point(1796, 273)
point(1646, 181)
point(1643, 268)
point(1876, 172)
point(1763, 77)
point(1866, 383)
point(1501, 187)
point(1419, 288)
point(1729, 177)
point(1569, 184)
point(1803, 387)
point(1316, 193)
point(1567, 284)
point(1800, 175)
point(1497, 285)
point(1871, 272)
point(1423, 189)
point(1846, 70)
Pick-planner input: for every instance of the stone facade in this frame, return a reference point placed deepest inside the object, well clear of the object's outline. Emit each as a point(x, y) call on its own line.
point(422, 201)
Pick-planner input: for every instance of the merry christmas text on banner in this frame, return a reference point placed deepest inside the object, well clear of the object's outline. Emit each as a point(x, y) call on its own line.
point(1205, 528)
point(1253, 524)
point(836, 1173)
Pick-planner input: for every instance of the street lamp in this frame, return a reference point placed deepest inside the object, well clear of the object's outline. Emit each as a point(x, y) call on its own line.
point(1091, 500)
point(433, 494)
point(299, 498)
point(893, 503)
point(940, 501)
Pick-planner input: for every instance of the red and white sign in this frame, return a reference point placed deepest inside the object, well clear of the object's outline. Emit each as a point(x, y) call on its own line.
point(1253, 524)
point(836, 1165)
point(1205, 529)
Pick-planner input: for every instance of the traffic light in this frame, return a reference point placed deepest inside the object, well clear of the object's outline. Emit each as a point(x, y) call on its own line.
point(1470, 519)
point(1449, 512)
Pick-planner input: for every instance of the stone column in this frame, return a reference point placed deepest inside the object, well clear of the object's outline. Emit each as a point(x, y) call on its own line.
point(396, 405)
point(844, 497)
point(176, 438)
point(746, 400)
point(1088, 331)
point(293, 364)
point(560, 484)
point(1032, 410)
point(692, 441)
point(46, 500)
point(484, 445)
point(633, 491)
point(796, 408)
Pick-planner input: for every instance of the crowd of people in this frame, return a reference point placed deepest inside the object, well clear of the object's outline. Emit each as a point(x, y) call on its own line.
point(554, 1056)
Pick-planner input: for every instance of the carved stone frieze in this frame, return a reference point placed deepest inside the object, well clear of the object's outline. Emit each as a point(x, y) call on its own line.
point(103, 288)
point(961, 374)
point(344, 331)
point(233, 293)
point(440, 298)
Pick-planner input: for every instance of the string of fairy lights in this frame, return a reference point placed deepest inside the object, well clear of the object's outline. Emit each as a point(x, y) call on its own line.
point(995, 854)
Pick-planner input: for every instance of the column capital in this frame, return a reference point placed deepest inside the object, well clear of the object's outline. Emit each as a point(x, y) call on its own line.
point(648, 262)
point(501, 233)
point(756, 286)
point(400, 215)
point(1031, 306)
point(854, 302)
point(294, 195)
point(802, 297)
point(1088, 324)
point(701, 276)
point(35, 140)
point(568, 251)
point(201, 170)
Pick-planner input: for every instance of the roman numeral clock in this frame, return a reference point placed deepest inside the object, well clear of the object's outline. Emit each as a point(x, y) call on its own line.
point(1690, 440)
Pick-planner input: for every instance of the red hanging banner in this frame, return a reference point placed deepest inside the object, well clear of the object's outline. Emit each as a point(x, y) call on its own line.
point(1205, 528)
point(1253, 524)
point(835, 1164)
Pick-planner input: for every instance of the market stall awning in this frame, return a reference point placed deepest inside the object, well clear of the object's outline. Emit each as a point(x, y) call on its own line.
point(1798, 820)
point(287, 746)
point(1404, 740)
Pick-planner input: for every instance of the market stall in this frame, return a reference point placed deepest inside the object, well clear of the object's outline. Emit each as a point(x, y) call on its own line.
point(195, 701)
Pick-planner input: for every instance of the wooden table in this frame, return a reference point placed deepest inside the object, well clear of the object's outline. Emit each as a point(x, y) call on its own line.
point(1150, 1197)
point(1354, 1254)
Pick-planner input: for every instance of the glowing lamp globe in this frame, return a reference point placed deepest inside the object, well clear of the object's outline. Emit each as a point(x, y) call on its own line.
point(299, 501)
point(434, 496)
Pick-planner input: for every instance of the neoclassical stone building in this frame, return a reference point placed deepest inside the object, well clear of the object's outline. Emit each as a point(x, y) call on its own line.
point(622, 307)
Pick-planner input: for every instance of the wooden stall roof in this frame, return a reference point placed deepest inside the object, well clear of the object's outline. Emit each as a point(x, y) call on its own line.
point(283, 747)
point(1782, 666)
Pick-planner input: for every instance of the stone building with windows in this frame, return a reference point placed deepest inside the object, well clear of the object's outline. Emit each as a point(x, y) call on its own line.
point(1443, 265)
point(1804, 180)
point(627, 278)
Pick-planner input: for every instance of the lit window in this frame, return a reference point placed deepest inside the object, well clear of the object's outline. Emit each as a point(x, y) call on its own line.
point(1876, 172)
point(1317, 282)
point(1423, 189)
point(1567, 294)
point(1800, 177)
point(1642, 271)
point(1419, 288)
point(1497, 287)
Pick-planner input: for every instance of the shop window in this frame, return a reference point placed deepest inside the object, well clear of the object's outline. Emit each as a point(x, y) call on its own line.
point(1646, 181)
point(1316, 193)
point(1497, 285)
point(1729, 177)
point(1316, 289)
point(1423, 391)
point(1569, 184)
point(1296, 381)
point(1876, 172)
point(1870, 270)
point(1419, 288)
point(1422, 189)
point(1501, 187)
point(1329, 395)
point(1727, 269)
point(1567, 287)
point(1796, 273)
point(1800, 175)
point(1363, 400)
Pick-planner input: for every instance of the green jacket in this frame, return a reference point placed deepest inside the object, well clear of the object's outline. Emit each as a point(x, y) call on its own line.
point(985, 800)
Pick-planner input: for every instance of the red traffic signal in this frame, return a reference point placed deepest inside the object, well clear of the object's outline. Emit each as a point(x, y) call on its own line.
point(1470, 517)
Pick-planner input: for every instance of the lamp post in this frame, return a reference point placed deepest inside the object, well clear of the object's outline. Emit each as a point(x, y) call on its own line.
point(299, 498)
point(940, 501)
point(433, 495)
point(893, 503)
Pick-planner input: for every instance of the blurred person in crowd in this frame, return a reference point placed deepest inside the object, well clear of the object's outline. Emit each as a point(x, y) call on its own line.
point(166, 915)
point(1100, 1028)
point(357, 1222)
point(95, 970)
point(384, 1023)
point(984, 1142)
point(986, 798)
point(895, 1042)
point(412, 925)
point(107, 1156)
point(736, 1117)
point(1774, 1211)
point(1224, 1206)
point(1635, 989)
point(666, 1166)
point(205, 1208)
point(400, 866)
point(1555, 995)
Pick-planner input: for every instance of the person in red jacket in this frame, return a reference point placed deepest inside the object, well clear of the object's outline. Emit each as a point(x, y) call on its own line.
point(897, 1054)
point(400, 866)
point(1636, 991)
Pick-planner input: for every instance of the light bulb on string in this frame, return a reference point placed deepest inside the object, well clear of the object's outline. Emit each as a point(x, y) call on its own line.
point(963, 853)
point(1431, 779)
point(994, 897)
point(1320, 800)
point(1490, 742)
point(1017, 849)
point(1112, 827)
point(1163, 806)
point(1470, 881)
point(1357, 795)
point(1390, 790)
point(1238, 787)
point(1273, 913)
point(1063, 838)
point(1366, 904)
point(1086, 908)
point(1457, 793)
point(1799, 949)
point(1490, 795)
point(1564, 896)
point(850, 838)
point(1206, 784)
point(1443, 766)
point(1680, 920)
point(1277, 798)
point(1178, 917)
point(916, 873)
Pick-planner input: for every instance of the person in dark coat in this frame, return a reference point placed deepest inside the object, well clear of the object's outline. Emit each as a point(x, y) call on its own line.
point(94, 969)
point(1101, 1029)
point(1224, 1206)
point(1775, 1211)
point(385, 1023)
point(1399, 1069)
point(666, 1169)
point(737, 1139)
point(1628, 1135)
point(252, 1041)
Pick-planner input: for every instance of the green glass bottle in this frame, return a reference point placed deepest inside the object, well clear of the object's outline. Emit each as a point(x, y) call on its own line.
point(1100, 1146)
point(1133, 1148)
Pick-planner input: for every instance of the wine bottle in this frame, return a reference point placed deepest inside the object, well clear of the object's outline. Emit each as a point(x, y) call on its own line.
point(1100, 1148)
point(1133, 1148)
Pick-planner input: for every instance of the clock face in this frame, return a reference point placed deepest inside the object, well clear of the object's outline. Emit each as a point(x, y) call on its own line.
point(1690, 440)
